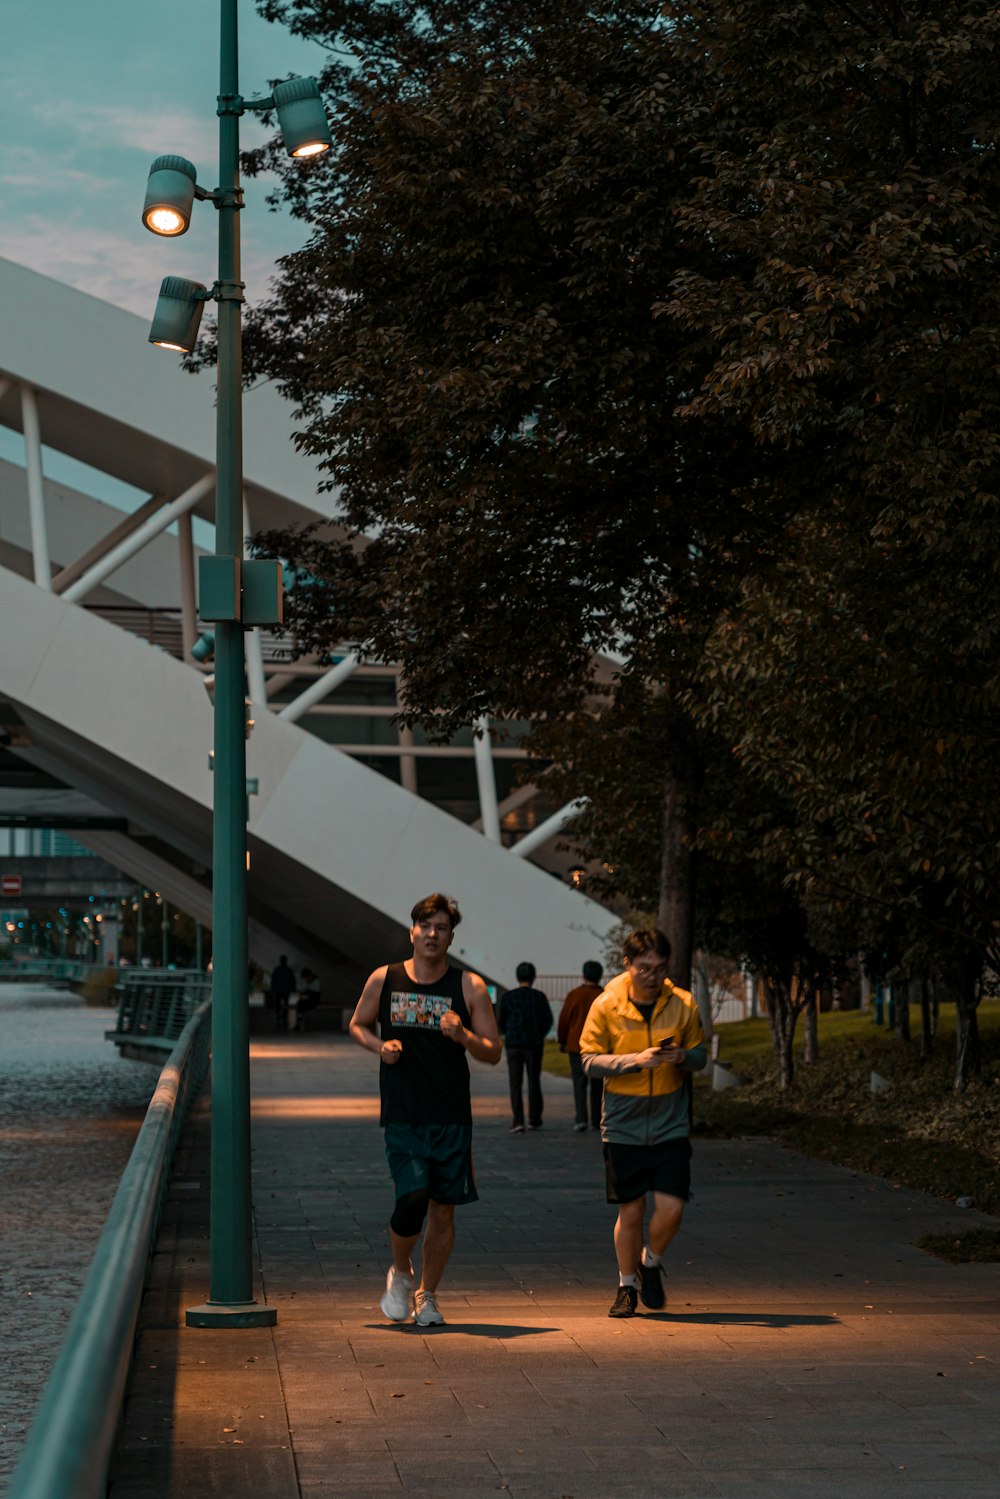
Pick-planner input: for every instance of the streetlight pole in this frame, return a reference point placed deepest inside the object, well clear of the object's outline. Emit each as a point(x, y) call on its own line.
point(234, 595)
point(230, 1300)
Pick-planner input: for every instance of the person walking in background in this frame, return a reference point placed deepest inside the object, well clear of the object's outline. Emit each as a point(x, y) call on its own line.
point(643, 1037)
point(309, 997)
point(282, 989)
point(431, 1017)
point(575, 1009)
point(525, 1019)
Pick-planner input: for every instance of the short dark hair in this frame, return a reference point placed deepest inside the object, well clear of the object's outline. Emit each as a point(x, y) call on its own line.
point(431, 904)
point(592, 972)
point(525, 973)
point(645, 939)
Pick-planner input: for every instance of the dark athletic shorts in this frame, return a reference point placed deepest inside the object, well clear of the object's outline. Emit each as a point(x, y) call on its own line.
point(633, 1170)
point(432, 1158)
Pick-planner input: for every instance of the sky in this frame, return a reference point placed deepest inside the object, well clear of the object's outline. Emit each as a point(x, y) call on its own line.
point(90, 92)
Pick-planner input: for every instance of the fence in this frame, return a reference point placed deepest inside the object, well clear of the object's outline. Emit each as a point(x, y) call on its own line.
point(154, 1008)
point(49, 970)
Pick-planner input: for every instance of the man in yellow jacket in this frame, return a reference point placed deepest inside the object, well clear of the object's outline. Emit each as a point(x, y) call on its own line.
point(642, 1036)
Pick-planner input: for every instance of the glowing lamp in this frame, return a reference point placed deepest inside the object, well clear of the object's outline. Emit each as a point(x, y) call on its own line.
point(301, 117)
point(169, 195)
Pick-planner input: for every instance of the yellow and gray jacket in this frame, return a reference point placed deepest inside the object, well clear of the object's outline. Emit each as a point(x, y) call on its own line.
point(642, 1106)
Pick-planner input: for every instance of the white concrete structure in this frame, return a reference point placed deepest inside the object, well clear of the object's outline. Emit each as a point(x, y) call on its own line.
point(338, 851)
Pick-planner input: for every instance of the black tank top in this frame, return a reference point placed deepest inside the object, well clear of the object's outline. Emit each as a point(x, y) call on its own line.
point(430, 1082)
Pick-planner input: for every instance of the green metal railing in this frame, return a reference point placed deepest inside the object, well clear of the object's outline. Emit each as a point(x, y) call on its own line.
point(54, 970)
point(71, 1441)
point(154, 1008)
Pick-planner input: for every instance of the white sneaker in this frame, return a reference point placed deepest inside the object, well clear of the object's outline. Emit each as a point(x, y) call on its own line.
point(425, 1310)
point(395, 1303)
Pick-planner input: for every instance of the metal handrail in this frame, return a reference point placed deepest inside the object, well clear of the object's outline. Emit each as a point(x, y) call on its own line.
point(72, 1437)
point(153, 1009)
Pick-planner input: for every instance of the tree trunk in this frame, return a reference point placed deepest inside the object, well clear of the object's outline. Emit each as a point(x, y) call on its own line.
point(902, 994)
point(968, 1056)
point(676, 907)
point(781, 1014)
point(702, 991)
point(810, 1054)
point(766, 993)
point(847, 993)
point(926, 1024)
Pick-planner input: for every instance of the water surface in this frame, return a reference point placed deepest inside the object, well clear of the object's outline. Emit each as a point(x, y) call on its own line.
point(70, 1109)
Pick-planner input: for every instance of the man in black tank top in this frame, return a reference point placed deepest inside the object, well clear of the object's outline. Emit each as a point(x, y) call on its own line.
point(431, 1017)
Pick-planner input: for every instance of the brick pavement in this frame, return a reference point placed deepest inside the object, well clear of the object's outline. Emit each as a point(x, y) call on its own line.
point(807, 1349)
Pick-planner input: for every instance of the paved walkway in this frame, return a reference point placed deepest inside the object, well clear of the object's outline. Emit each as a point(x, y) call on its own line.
point(808, 1349)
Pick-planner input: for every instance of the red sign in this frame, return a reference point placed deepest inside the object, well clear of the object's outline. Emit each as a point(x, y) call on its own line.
point(10, 884)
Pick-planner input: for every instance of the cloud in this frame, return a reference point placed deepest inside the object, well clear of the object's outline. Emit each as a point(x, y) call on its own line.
point(30, 169)
point(121, 268)
point(100, 262)
point(153, 130)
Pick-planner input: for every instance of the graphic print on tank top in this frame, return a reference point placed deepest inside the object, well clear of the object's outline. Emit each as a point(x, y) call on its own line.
point(408, 1008)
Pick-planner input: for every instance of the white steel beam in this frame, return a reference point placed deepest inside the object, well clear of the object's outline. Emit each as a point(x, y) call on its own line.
point(486, 780)
point(189, 602)
point(125, 527)
point(320, 689)
point(407, 764)
point(549, 828)
point(36, 488)
point(426, 751)
point(511, 803)
point(253, 654)
point(139, 538)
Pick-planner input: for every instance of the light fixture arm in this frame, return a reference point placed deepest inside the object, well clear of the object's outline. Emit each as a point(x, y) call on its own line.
point(228, 291)
point(222, 197)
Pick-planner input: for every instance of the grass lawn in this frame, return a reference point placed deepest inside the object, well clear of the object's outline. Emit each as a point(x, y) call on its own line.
point(921, 1133)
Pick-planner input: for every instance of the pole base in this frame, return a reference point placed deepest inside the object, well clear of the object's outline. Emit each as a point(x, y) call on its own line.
point(231, 1314)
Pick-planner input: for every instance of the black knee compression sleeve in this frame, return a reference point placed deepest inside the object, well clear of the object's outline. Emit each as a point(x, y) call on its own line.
point(409, 1213)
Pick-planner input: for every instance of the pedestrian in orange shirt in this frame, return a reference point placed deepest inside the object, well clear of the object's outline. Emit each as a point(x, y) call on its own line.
point(575, 1009)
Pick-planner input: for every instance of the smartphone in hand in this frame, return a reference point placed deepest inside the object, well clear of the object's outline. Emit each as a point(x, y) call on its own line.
point(668, 1044)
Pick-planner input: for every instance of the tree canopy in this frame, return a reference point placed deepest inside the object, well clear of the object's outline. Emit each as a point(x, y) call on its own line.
point(672, 330)
point(851, 188)
point(474, 340)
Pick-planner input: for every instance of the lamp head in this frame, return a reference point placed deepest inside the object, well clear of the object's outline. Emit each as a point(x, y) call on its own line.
point(169, 195)
point(178, 314)
point(301, 117)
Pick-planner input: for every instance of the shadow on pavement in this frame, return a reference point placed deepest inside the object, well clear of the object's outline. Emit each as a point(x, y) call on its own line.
point(471, 1329)
point(742, 1319)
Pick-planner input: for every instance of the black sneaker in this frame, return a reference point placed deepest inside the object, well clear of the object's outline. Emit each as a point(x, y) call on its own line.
point(625, 1302)
point(651, 1290)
